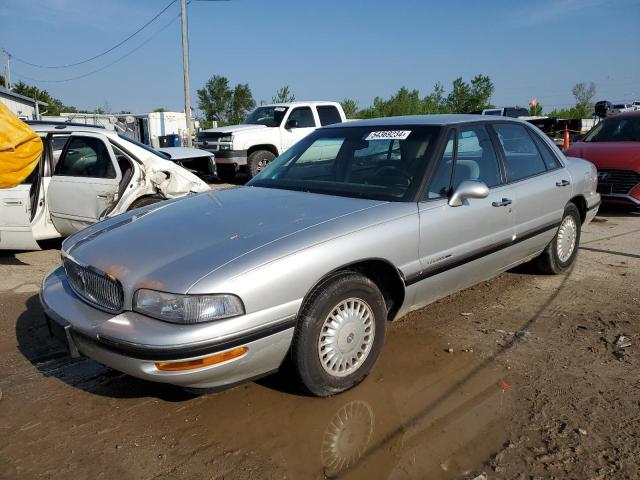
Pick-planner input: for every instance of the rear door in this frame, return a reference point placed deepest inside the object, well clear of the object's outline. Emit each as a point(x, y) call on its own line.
point(306, 124)
point(541, 187)
point(460, 246)
point(84, 184)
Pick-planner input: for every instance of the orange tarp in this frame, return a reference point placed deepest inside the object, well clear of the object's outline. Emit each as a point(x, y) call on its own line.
point(20, 149)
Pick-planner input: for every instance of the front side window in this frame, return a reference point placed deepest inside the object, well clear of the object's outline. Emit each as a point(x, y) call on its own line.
point(440, 185)
point(268, 116)
point(328, 115)
point(475, 158)
point(86, 157)
point(624, 129)
point(304, 117)
point(521, 156)
point(363, 162)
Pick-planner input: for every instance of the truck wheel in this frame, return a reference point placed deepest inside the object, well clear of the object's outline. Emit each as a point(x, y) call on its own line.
point(143, 202)
point(339, 334)
point(562, 250)
point(258, 160)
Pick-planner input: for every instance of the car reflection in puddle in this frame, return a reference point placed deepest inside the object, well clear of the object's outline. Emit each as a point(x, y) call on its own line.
point(420, 414)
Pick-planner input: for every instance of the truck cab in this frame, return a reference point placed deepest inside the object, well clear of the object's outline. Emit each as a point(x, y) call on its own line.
point(267, 131)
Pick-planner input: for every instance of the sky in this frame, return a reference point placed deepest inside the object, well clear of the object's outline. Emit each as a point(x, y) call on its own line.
point(324, 50)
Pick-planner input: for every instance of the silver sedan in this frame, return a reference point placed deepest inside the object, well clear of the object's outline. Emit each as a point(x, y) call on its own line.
point(352, 227)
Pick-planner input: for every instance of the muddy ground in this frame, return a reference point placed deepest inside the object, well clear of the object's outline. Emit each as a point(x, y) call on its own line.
point(534, 388)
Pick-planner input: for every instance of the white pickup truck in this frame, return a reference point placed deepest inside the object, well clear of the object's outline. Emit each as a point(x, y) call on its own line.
point(267, 132)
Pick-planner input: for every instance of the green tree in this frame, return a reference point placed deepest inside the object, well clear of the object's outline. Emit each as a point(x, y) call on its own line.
point(535, 109)
point(242, 103)
point(436, 101)
point(159, 109)
point(283, 95)
point(584, 94)
point(350, 107)
point(468, 97)
point(219, 102)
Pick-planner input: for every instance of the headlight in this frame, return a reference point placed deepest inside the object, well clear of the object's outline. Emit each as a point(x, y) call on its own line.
point(226, 139)
point(187, 309)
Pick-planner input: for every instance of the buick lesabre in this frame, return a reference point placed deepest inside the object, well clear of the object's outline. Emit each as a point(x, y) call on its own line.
point(354, 226)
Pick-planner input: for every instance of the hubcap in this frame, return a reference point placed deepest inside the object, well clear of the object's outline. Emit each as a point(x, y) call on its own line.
point(346, 337)
point(262, 164)
point(566, 241)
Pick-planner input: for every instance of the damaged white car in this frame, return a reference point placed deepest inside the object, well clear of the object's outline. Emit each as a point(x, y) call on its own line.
point(86, 174)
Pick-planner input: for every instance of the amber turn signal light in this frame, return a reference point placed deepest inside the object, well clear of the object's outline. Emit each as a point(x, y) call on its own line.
point(201, 362)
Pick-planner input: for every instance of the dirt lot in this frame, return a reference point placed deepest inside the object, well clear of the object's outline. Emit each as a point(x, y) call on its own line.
point(534, 388)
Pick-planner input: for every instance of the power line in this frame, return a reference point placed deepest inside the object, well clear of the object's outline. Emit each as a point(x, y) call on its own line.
point(100, 54)
point(108, 64)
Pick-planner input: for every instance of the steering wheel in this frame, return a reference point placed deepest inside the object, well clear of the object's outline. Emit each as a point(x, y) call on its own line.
point(393, 170)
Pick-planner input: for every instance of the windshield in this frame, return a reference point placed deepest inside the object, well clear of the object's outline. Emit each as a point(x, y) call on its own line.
point(380, 163)
point(158, 153)
point(621, 129)
point(269, 116)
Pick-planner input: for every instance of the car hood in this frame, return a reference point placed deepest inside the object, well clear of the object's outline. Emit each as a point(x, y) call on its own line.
point(237, 128)
point(616, 155)
point(171, 246)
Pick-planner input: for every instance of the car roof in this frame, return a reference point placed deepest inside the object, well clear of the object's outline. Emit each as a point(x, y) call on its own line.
point(58, 127)
point(300, 102)
point(632, 113)
point(436, 120)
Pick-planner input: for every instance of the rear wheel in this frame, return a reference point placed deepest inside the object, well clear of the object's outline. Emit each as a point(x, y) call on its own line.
point(562, 250)
point(339, 335)
point(258, 161)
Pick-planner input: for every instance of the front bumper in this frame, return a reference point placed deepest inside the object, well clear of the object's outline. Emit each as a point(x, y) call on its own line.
point(225, 157)
point(94, 333)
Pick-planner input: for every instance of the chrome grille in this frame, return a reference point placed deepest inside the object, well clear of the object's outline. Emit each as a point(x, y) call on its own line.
point(617, 181)
point(94, 286)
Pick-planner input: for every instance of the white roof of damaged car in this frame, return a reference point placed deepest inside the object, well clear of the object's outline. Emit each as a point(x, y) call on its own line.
point(57, 127)
point(444, 119)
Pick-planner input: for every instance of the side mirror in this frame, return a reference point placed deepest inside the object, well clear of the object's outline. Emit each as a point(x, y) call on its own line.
point(468, 189)
point(291, 123)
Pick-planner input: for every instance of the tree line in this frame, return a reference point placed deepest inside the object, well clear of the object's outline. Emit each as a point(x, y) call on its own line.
point(219, 101)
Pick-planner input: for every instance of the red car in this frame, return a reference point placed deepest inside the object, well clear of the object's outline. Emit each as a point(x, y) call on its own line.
point(613, 146)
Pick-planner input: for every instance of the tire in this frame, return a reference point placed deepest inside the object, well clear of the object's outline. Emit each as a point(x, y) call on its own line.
point(257, 161)
point(143, 202)
point(226, 173)
point(311, 361)
point(556, 258)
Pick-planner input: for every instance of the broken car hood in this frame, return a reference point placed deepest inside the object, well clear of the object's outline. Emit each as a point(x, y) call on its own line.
point(173, 245)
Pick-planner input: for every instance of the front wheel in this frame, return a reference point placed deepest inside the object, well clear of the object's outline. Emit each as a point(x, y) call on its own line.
point(562, 251)
point(339, 335)
point(258, 161)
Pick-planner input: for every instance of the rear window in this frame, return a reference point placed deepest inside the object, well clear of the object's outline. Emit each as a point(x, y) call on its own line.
point(522, 157)
point(328, 115)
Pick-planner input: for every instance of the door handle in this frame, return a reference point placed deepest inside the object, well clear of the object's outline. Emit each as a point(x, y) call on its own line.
point(563, 183)
point(503, 203)
point(13, 203)
point(103, 195)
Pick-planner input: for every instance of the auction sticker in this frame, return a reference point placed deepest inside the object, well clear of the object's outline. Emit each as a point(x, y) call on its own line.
point(389, 135)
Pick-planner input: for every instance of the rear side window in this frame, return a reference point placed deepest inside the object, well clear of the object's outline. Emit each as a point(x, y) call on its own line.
point(304, 116)
point(521, 155)
point(476, 159)
point(86, 157)
point(549, 158)
point(328, 115)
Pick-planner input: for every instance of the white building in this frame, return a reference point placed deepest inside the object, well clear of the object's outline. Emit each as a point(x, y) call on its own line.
point(24, 107)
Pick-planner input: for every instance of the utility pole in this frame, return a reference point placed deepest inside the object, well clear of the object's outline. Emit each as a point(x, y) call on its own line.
point(185, 70)
point(7, 74)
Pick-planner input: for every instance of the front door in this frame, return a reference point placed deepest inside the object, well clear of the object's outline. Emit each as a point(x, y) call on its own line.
point(460, 246)
point(85, 182)
point(306, 123)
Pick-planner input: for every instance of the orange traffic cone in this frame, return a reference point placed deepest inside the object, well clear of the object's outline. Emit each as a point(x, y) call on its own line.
point(566, 138)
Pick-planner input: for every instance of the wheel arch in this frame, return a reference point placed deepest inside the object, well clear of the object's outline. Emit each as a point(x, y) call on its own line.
point(383, 273)
point(264, 146)
point(581, 204)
